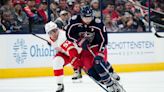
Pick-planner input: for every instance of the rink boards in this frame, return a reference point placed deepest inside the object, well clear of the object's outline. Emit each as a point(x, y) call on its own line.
point(28, 56)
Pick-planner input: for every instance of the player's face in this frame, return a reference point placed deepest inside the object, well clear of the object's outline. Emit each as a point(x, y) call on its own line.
point(87, 20)
point(54, 34)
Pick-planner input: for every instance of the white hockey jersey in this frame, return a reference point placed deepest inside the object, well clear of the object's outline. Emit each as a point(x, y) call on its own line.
point(61, 39)
point(63, 43)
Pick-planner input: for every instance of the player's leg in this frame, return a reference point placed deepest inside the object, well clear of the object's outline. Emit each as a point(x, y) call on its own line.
point(77, 74)
point(113, 74)
point(101, 66)
point(97, 72)
point(74, 61)
point(106, 78)
point(59, 61)
point(87, 62)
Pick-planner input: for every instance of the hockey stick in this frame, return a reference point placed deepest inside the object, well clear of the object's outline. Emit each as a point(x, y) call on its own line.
point(41, 38)
point(30, 30)
point(123, 90)
point(155, 32)
point(159, 36)
point(97, 82)
point(153, 28)
point(152, 23)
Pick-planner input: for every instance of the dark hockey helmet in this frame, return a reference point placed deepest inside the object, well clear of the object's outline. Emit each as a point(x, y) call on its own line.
point(86, 11)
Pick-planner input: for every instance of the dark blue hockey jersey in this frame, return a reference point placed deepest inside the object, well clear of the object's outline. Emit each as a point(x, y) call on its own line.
point(95, 30)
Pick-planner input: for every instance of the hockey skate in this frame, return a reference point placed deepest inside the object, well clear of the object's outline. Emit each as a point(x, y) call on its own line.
point(115, 76)
point(77, 76)
point(60, 88)
point(113, 88)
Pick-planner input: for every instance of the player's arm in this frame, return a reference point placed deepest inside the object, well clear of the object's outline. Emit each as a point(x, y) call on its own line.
point(71, 31)
point(103, 40)
point(69, 49)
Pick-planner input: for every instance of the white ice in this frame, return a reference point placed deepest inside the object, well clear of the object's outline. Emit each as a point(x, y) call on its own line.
point(132, 82)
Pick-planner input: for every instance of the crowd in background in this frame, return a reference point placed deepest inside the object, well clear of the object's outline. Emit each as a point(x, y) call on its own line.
point(24, 16)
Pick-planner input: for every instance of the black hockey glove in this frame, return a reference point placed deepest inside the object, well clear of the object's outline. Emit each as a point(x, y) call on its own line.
point(99, 58)
point(83, 43)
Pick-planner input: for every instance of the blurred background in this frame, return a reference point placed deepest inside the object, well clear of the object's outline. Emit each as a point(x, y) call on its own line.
point(24, 16)
point(132, 46)
point(135, 43)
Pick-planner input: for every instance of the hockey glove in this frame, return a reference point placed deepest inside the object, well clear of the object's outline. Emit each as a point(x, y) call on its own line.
point(99, 58)
point(83, 43)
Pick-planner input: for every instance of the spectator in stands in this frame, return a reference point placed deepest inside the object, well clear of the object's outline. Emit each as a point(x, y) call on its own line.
point(31, 10)
point(62, 20)
point(110, 25)
point(1, 27)
point(63, 5)
point(158, 17)
point(54, 9)
point(70, 3)
point(38, 1)
point(140, 26)
point(130, 24)
point(114, 13)
point(87, 2)
point(110, 9)
point(96, 8)
point(82, 3)
point(76, 9)
point(105, 3)
point(19, 15)
point(8, 5)
point(120, 8)
point(21, 2)
point(42, 12)
point(129, 7)
point(8, 24)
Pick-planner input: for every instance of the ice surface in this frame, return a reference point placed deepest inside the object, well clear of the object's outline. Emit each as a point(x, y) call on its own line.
point(132, 82)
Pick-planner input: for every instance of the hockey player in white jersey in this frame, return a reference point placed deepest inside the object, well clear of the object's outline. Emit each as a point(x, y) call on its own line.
point(66, 52)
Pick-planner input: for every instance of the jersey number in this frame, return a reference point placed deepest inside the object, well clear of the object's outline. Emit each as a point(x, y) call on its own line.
point(66, 44)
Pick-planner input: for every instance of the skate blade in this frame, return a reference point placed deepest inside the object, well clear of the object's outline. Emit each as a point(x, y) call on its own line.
point(77, 81)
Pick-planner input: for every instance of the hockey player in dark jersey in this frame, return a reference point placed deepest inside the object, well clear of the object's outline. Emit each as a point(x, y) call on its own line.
point(90, 34)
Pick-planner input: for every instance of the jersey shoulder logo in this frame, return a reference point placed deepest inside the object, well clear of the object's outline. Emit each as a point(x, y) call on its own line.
point(97, 20)
point(74, 17)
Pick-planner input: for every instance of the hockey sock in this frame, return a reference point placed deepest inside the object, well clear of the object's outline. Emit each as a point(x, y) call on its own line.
point(105, 77)
point(92, 72)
